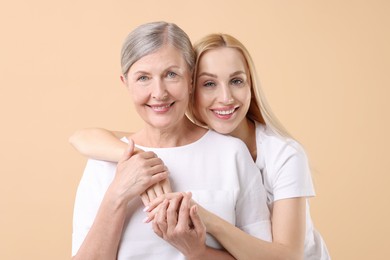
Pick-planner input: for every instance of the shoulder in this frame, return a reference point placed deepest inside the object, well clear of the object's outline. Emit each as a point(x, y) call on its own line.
point(273, 145)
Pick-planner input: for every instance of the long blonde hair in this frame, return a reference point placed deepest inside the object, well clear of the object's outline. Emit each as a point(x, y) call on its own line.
point(259, 110)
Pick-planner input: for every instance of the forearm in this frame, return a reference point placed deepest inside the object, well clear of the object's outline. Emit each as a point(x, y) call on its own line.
point(103, 238)
point(244, 246)
point(98, 144)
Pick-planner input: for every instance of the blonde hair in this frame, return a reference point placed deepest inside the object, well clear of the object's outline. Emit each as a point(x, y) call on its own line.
point(259, 110)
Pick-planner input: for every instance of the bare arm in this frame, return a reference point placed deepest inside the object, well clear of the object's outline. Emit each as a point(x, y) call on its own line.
point(288, 231)
point(178, 223)
point(102, 144)
point(99, 143)
point(109, 221)
point(131, 179)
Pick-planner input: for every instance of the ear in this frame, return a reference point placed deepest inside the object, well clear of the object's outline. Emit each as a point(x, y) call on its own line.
point(124, 80)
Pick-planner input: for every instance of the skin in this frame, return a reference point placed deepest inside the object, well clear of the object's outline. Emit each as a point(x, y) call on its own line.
point(227, 88)
point(223, 94)
point(159, 84)
point(160, 95)
point(132, 177)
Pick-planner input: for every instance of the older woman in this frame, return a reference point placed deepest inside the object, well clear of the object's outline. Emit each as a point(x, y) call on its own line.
point(157, 65)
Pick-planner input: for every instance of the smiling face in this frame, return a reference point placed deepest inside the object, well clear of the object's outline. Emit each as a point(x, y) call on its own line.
point(223, 90)
point(159, 84)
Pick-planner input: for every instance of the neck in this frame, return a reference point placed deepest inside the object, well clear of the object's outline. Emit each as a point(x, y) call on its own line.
point(183, 133)
point(246, 131)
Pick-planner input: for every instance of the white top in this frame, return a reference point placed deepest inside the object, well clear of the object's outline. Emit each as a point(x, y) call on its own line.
point(217, 169)
point(286, 174)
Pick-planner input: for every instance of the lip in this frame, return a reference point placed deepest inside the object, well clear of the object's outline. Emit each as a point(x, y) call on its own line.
point(161, 108)
point(224, 113)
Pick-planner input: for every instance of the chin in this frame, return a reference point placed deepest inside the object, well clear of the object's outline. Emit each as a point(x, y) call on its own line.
point(222, 130)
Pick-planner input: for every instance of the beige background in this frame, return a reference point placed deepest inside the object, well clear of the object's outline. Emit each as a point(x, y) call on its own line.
point(324, 66)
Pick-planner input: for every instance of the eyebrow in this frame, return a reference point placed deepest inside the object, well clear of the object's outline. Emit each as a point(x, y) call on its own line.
point(215, 76)
point(140, 72)
point(166, 69)
point(237, 73)
point(207, 74)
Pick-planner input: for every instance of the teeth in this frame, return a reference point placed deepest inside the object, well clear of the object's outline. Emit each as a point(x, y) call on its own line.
point(161, 108)
point(224, 112)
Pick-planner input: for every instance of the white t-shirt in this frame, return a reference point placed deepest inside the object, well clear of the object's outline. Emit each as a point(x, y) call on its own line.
point(219, 172)
point(286, 174)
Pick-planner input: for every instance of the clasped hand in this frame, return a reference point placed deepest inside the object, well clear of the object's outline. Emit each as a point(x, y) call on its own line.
point(177, 221)
point(175, 216)
point(138, 173)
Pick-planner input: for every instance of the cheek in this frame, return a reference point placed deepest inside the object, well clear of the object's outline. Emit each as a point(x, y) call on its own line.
point(198, 107)
point(245, 96)
point(138, 97)
point(200, 101)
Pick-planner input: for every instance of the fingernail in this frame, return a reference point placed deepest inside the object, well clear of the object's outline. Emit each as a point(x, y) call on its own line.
point(146, 209)
point(145, 220)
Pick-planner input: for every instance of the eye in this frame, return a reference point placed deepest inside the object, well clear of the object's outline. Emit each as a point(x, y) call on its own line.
point(171, 74)
point(142, 78)
point(209, 84)
point(237, 81)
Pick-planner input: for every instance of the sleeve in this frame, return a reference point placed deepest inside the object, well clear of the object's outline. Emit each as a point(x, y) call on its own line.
point(252, 213)
point(90, 192)
point(288, 165)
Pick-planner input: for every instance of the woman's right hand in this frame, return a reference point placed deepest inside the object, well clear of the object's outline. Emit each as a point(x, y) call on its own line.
point(136, 172)
point(178, 223)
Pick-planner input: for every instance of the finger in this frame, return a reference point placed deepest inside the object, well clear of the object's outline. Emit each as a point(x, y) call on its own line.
point(172, 210)
point(158, 189)
point(156, 168)
point(154, 203)
point(166, 186)
point(184, 211)
point(128, 151)
point(157, 201)
point(157, 229)
point(161, 217)
point(196, 220)
point(148, 155)
point(155, 164)
point(145, 199)
point(151, 215)
point(151, 194)
point(137, 151)
point(158, 177)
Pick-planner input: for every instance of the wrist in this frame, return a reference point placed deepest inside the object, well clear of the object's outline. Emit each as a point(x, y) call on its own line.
point(209, 219)
point(116, 198)
point(198, 254)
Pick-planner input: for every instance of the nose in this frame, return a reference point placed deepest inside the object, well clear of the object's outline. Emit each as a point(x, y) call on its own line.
point(159, 91)
point(226, 95)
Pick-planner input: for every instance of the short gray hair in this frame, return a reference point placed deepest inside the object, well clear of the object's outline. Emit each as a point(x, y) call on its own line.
point(148, 38)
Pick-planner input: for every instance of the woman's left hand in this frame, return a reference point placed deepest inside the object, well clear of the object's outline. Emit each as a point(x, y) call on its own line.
point(178, 223)
point(155, 191)
point(153, 206)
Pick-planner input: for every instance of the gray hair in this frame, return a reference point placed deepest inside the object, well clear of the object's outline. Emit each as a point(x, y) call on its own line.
point(148, 38)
